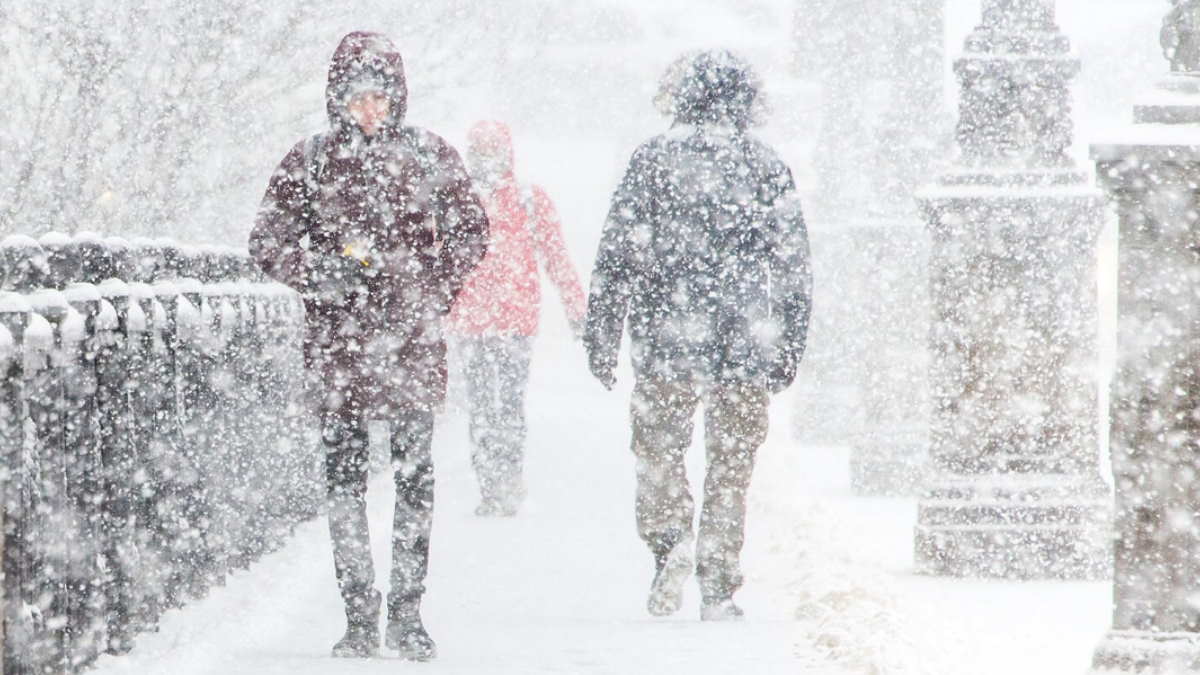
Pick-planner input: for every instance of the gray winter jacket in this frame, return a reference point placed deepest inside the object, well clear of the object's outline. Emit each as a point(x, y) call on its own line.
point(705, 252)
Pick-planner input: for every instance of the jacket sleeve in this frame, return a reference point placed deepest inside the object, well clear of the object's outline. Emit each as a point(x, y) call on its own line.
point(614, 273)
point(282, 221)
point(462, 227)
point(791, 272)
point(550, 244)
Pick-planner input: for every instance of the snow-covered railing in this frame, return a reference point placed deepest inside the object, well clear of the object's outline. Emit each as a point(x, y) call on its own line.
point(151, 435)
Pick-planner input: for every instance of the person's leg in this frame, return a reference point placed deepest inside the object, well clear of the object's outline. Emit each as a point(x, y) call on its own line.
point(662, 412)
point(512, 379)
point(479, 365)
point(412, 524)
point(346, 458)
point(735, 423)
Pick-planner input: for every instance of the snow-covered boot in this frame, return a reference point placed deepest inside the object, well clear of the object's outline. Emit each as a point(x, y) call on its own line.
point(488, 507)
point(407, 635)
point(673, 566)
point(362, 629)
point(720, 609)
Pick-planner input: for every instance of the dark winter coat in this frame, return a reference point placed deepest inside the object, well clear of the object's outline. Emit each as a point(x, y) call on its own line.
point(705, 252)
point(379, 235)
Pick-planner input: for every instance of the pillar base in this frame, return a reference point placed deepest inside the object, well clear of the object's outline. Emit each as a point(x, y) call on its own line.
point(1043, 527)
point(1147, 652)
point(889, 464)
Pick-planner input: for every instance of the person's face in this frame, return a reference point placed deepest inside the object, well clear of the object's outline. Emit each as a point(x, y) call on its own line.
point(369, 110)
point(486, 159)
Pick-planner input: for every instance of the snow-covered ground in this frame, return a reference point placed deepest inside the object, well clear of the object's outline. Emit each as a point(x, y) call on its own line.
point(561, 588)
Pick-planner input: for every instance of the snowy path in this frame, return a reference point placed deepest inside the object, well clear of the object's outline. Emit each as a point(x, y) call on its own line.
point(560, 589)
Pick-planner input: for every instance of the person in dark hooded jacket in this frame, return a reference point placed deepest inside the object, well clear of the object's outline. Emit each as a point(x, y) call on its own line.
point(705, 255)
point(376, 224)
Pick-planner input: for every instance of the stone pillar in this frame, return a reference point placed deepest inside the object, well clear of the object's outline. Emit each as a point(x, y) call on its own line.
point(1152, 173)
point(890, 454)
point(1016, 490)
point(838, 51)
point(880, 70)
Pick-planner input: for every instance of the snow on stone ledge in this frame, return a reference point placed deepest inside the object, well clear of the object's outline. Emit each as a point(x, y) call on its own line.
point(54, 239)
point(19, 241)
point(82, 292)
point(13, 303)
point(1149, 142)
point(89, 237)
point(46, 299)
point(165, 289)
point(190, 285)
point(114, 288)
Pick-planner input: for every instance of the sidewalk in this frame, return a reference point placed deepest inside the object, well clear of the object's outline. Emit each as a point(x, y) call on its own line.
point(561, 588)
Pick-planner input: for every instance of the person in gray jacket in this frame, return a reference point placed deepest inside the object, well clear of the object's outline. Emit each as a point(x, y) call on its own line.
point(705, 255)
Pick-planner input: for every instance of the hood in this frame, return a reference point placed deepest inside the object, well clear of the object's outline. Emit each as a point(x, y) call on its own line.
point(364, 56)
point(491, 140)
point(711, 87)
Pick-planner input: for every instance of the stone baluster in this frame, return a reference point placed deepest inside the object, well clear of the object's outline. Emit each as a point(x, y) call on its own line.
point(1151, 171)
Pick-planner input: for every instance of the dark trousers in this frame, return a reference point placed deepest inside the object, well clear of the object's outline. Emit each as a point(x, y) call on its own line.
point(346, 469)
point(497, 374)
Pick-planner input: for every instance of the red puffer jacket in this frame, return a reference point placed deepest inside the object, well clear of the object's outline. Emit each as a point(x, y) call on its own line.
point(502, 296)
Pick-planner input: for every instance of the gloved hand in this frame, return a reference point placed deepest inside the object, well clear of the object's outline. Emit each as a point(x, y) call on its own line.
point(782, 374)
point(602, 369)
point(333, 279)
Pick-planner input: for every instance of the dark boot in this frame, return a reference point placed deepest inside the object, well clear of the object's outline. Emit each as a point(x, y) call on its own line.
point(362, 629)
point(407, 635)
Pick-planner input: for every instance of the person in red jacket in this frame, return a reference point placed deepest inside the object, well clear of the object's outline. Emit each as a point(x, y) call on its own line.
point(496, 315)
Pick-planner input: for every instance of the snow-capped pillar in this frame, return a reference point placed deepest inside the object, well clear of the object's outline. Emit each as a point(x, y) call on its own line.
point(147, 259)
point(92, 327)
point(836, 43)
point(891, 453)
point(117, 364)
point(158, 441)
point(880, 71)
point(23, 265)
point(19, 511)
point(1016, 489)
point(61, 545)
point(194, 361)
point(1151, 171)
point(62, 263)
point(180, 536)
point(96, 260)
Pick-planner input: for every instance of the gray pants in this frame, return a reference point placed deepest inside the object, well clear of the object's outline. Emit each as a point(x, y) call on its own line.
point(497, 373)
point(347, 461)
point(735, 425)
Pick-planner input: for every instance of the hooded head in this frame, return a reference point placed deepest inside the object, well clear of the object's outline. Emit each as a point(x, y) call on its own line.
point(365, 62)
point(711, 87)
point(490, 152)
